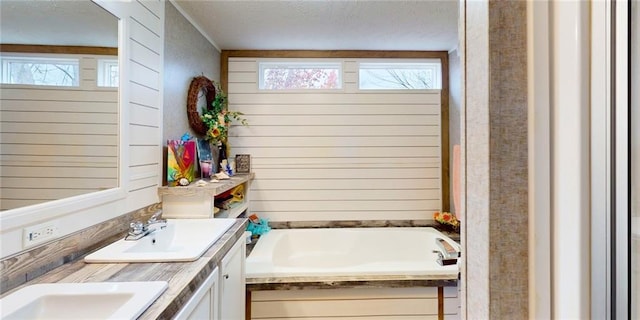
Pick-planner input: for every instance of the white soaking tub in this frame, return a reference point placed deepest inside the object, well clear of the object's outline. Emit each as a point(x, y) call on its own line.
point(355, 252)
point(351, 273)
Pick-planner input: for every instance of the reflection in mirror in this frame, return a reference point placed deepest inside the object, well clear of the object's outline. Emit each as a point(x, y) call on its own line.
point(58, 101)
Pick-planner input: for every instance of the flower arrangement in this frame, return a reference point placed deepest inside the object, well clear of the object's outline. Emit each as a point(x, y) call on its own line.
point(447, 219)
point(218, 118)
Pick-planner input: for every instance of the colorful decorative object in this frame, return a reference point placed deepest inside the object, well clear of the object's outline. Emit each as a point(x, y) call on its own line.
point(181, 162)
point(447, 220)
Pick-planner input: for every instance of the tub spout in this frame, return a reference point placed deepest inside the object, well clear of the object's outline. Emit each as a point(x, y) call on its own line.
point(447, 254)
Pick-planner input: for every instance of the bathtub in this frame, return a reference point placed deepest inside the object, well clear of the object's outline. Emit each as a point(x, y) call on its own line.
point(356, 252)
point(351, 273)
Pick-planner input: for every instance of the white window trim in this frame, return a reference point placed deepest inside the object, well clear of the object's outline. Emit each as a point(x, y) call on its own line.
point(306, 62)
point(44, 58)
point(401, 63)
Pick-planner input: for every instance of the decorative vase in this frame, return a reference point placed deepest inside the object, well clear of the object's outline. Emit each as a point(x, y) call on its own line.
point(216, 153)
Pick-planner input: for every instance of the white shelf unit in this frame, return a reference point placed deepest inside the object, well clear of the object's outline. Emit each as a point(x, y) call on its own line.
point(198, 202)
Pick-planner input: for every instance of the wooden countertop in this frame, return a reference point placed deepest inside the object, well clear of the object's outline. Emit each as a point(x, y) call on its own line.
point(183, 277)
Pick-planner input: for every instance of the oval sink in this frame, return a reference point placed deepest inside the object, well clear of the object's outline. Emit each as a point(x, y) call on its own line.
point(91, 300)
point(180, 240)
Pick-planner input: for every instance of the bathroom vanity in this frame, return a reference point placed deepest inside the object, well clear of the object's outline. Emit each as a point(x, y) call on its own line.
point(213, 285)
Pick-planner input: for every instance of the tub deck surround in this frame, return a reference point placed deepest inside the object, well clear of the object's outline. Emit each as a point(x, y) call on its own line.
point(183, 278)
point(455, 236)
point(355, 257)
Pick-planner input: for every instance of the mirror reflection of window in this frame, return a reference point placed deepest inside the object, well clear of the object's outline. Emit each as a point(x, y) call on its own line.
point(40, 70)
point(59, 95)
point(108, 73)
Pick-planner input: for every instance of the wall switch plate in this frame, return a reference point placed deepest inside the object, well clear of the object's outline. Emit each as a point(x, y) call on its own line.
point(39, 233)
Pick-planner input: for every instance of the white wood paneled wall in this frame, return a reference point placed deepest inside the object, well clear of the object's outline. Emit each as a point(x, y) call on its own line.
point(144, 109)
point(366, 303)
point(338, 155)
point(57, 142)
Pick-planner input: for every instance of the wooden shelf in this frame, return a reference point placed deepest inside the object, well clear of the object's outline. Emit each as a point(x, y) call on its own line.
point(234, 212)
point(198, 201)
point(212, 189)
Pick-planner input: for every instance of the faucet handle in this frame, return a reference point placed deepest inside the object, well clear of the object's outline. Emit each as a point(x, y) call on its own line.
point(155, 216)
point(136, 227)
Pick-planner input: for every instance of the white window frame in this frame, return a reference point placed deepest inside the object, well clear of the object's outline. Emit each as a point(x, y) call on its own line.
point(296, 64)
point(42, 58)
point(103, 78)
point(433, 64)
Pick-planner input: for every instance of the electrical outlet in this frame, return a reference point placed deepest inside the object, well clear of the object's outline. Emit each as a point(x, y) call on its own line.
point(40, 233)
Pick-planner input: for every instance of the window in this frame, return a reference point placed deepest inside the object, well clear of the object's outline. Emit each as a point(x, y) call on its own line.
point(40, 71)
point(108, 73)
point(400, 76)
point(300, 75)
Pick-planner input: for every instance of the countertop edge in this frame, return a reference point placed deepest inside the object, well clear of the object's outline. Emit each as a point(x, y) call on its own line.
point(183, 278)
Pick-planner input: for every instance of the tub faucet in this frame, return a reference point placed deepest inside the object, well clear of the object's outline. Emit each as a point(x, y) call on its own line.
point(138, 230)
point(447, 254)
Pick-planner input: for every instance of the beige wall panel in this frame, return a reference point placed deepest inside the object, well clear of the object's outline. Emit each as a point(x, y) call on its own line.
point(51, 128)
point(16, 92)
point(243, 66)
point(244, 77)
point(338, 154)
point(390, 194)
point(330, 130)
point(59, 106)
point(339, 109)
point(333, 98)
point(342, 184)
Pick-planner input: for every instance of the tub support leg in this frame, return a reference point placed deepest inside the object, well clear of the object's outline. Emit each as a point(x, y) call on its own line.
point(247, 306)
point(440, 303)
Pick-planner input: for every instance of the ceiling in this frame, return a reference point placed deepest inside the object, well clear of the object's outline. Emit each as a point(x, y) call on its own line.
point(57, 22)
point(326, 24)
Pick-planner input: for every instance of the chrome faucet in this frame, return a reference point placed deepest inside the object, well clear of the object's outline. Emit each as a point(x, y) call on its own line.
point(138, 230)
point(447, 254)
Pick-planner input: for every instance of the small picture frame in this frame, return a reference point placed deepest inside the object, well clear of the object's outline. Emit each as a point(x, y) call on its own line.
point(243, 163)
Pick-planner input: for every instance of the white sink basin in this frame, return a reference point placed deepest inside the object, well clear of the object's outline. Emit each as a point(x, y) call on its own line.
point(99, 300)
point(181, 240)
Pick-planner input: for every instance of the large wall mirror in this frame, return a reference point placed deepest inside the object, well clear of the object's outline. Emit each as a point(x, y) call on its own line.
point(59, 110)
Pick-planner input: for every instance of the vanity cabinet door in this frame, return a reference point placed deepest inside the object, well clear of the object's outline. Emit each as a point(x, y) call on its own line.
point(204, 302)
point(232, 283)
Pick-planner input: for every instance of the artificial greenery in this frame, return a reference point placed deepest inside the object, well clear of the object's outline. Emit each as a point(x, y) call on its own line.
point(218, 118)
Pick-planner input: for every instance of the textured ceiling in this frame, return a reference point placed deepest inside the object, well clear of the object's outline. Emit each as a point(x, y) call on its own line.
point(325, 24)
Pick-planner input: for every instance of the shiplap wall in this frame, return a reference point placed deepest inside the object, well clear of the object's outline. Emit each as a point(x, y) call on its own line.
point(144, 109)
point(366, 303)
point(57, 142)
point(338, 155)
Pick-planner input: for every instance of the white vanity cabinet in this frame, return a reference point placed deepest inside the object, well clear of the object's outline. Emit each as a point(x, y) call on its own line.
point(198, 201)
point(222, 295)
point(204, 302)
point(232, 282)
